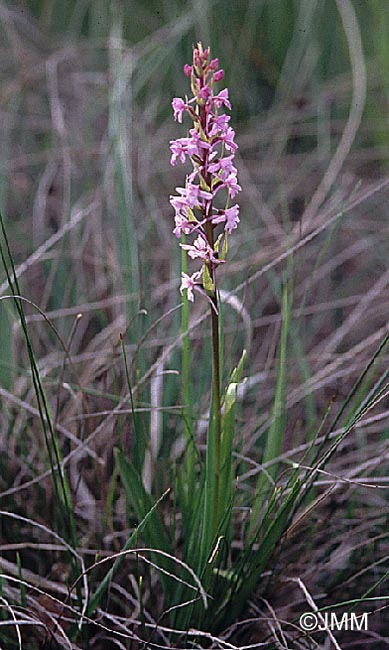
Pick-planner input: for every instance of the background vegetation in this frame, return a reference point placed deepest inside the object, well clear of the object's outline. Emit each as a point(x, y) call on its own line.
point(90, 361)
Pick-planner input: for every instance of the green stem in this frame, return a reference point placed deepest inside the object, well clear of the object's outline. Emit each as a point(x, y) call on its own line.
point(212, 515)
point(213, 499)
point(186, 389)
point(216, 408)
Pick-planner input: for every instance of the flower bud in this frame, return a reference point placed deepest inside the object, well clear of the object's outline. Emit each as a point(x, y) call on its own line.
point(218, 75)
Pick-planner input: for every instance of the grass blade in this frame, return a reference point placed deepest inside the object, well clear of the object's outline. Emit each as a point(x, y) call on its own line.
point(104, 584)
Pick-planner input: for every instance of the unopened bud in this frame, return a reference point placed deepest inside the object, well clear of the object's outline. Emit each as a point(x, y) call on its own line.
point(218, 75)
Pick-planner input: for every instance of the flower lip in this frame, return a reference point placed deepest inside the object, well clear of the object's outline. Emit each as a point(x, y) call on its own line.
point(222, 98)
point(188, 282)
point(205, 92)
point(179, 107)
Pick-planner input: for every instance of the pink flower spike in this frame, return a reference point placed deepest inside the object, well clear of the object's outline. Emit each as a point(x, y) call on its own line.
point(188, 282)
point(218, 76)
point(179, 107)
point(210, 148)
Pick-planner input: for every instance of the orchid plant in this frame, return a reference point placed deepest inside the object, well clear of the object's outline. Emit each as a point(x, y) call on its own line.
point(205, 217)
point(205, 493)
point(206, 498)
point(203, 212)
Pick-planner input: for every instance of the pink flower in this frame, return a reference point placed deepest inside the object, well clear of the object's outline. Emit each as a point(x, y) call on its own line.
point(187, 198)
point(183, 225)
point(196, 139)
point(179, 107)
point(229, 217)
point(188, 70)
point(220, 217)
point(178, 202)
point(219, 123)
point(232, 185)
point(188, 282)
point(224, 165)
point(207, 196)
point(222, 98)
point(227, 167)
point(191, 195)
point(182, 147)
point(200, 249)
point(205, 92)
point(232, 218)
point(228, 138)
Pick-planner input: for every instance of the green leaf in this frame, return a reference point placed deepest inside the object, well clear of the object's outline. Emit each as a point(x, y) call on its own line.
point(227, 436)
point(207, 280)
point(236, 375)
point(276, 430)
point(190, 213)
point(224, 250)
point(204, 186)
point(132, 540)
point(154, 534)
point(23, 599)
point(217, 242)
